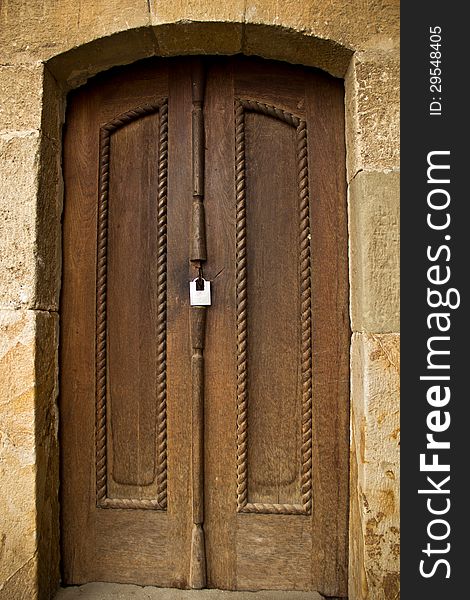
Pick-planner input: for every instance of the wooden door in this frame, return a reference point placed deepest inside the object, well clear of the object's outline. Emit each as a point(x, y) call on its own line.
point(125, 366)
point(273, 457)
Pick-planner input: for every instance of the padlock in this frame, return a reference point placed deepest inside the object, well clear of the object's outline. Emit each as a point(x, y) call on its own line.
point(200, 297)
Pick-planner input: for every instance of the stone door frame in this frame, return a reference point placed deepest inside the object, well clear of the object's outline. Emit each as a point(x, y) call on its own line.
point(30, 138)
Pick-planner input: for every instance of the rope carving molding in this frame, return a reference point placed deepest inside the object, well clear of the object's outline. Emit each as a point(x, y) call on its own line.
point(102, 499)
point(243, 505)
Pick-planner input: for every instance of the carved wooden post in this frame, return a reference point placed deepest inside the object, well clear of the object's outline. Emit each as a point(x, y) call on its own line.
point(198, 237)
point(197, 572)
point(197, 575)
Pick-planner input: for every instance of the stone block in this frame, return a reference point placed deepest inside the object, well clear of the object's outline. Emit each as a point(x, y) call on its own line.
point(21, 92)
point(28, 454)
point(22, 584)
point(355, 24)
point(19, 165)
point(281, 43)
point(32, 31)
point(374, 220)
point(30, 208)
point(192, 27)
point(199, 38)
point(17, 445)
point(31, 100)
point(73, 67)
point(375, 437)
point(373, 112)
point(174, 11)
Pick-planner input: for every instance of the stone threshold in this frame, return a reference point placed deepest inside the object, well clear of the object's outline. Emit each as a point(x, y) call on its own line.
point(115, 591)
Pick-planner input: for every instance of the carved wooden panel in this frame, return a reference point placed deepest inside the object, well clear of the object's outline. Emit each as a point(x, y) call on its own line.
point(273, 312)
point(131, 444)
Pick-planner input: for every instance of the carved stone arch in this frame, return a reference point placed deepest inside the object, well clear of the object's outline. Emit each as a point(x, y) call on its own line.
point(267, 40)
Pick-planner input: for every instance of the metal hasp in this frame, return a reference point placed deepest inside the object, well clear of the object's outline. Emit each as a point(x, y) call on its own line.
point(199, 299)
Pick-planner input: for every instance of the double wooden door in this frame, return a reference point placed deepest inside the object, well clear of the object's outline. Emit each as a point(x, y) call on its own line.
point(214, 457)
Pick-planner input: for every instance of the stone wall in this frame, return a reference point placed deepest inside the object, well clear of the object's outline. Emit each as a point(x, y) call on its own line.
point(50, 46)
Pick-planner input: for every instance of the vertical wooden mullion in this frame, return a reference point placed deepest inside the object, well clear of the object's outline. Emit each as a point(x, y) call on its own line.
point(197, 571)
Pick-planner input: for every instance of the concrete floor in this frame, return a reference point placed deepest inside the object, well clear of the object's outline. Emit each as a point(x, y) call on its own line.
point(114, 591)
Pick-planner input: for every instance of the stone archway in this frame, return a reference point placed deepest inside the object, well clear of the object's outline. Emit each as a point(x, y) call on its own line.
point(53, 50)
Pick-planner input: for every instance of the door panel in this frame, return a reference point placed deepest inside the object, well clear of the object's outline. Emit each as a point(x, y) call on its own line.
point(276, 429)
point(124, 358)
point(270, 319)
point(277, 335)
point(136, 319)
